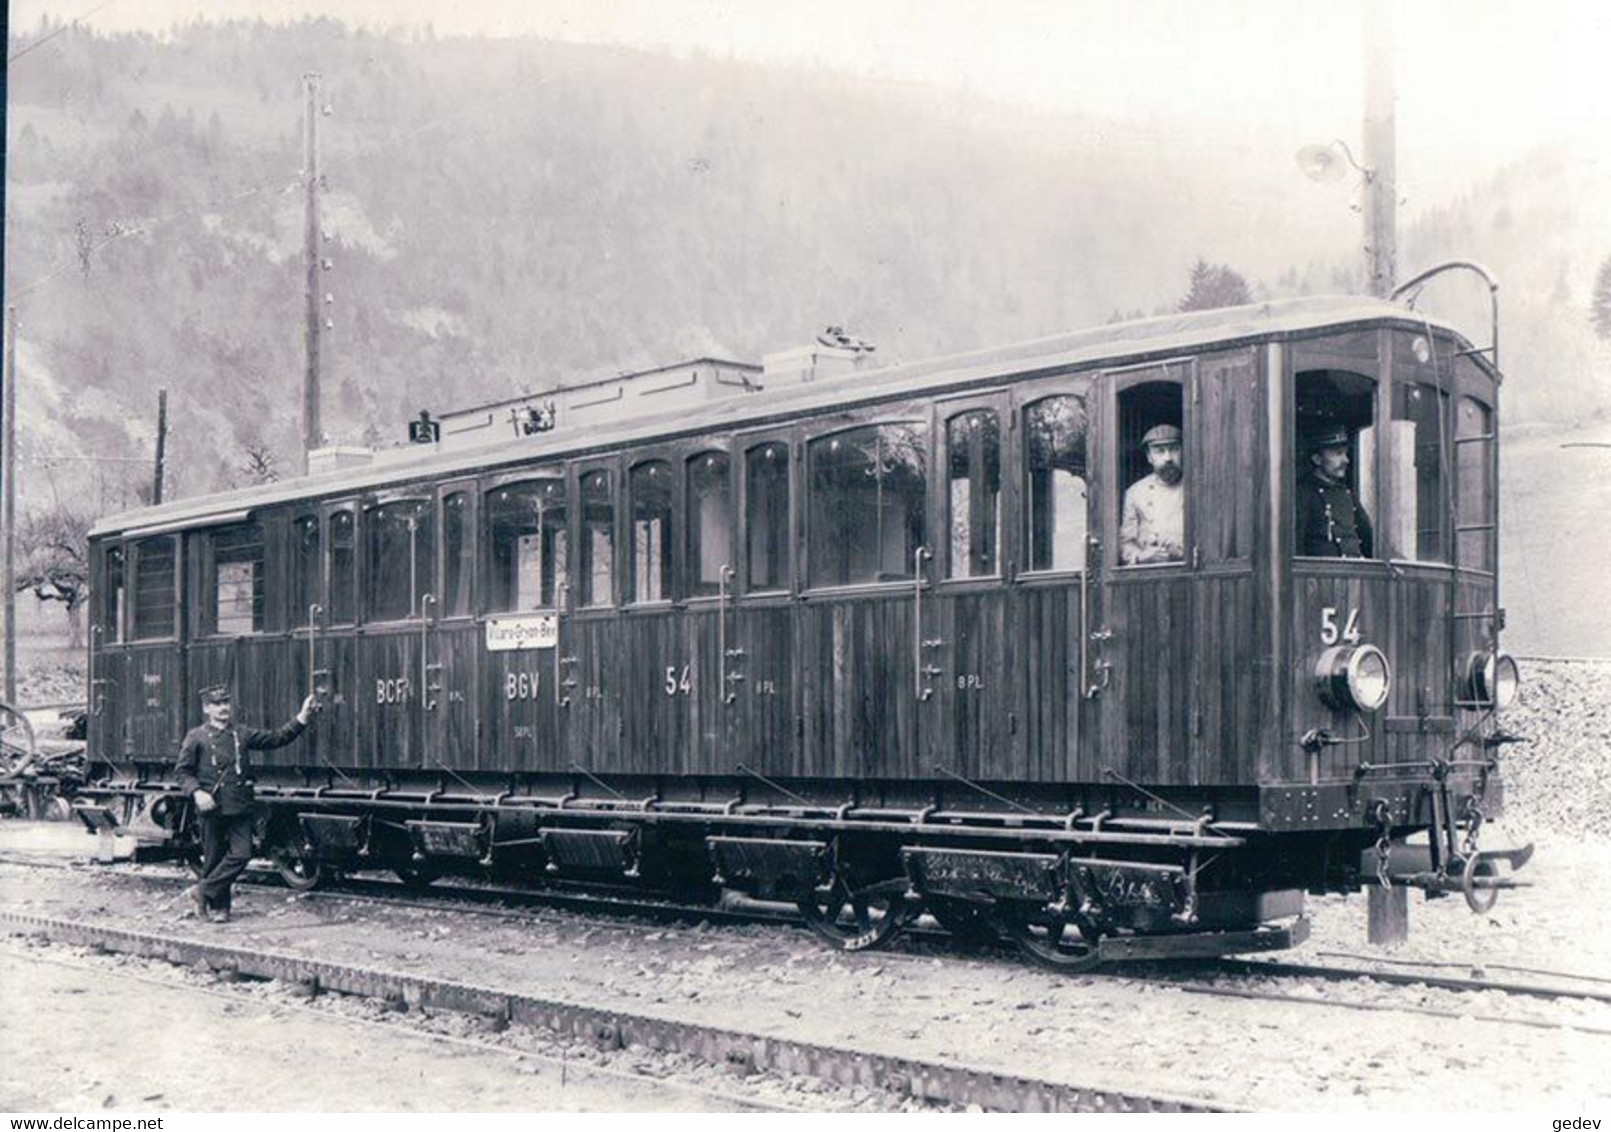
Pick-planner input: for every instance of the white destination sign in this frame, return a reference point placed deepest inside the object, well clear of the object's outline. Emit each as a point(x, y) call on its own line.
point(537, 631)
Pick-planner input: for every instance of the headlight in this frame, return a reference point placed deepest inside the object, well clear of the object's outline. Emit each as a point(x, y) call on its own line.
point(1353, 676)
point(1491, 680)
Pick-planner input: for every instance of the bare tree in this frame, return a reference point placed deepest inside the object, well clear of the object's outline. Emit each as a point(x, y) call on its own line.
point(55, 563)
point(261, 465)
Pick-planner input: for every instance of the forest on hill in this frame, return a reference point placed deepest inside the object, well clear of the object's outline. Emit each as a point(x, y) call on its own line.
point(505, 215)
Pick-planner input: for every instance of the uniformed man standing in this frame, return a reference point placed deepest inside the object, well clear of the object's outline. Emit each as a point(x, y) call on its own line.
point(1152, 525)
point(214, 770)
point(1331, 522)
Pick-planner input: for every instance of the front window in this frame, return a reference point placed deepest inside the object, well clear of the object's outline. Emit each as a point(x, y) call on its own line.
point(399, 559)
point(867, 495)
point(1054, 482)
point(528, 546)
point(710, 522)
point(1473, 438)
point(155, 561)
point(1335, 458)
point(1419, 517)
point(236, 601)
point(973, 498)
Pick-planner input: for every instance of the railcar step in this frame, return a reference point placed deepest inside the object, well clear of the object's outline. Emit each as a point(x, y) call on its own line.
point(745, 861)
point(591, 850)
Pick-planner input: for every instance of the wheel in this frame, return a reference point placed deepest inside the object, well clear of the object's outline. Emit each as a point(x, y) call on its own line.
point(1049, 940)
point(856, 919)
point(299, 873)
point(417, 874)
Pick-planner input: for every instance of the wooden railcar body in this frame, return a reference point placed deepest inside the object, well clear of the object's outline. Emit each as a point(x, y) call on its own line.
point(1159, 698)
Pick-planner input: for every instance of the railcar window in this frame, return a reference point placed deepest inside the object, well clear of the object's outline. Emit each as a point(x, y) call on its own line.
point(1473, 432)
point(305, 565)
point(973, 496)
point(1155, 472)
point(235, 604)
point(458, 554)
point(154, 562)
point(1419, 521)
point(110, 605)
point(399, 552)
point(597, 565)
point(1334, 461)
point(710, 521)
point(343, 569)
point(1054, 482)
point(766, 516)
point(867, 493)
point(528, 546)
point(650, 485)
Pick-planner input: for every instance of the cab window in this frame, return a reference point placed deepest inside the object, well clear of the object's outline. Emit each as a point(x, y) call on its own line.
point(866, 504)
point(597, 540)
point(1054, 482)
point(1474, 439)
point(1154, 473)
point(650, 487)
point(766, 516)
point(528, 546)
point(710, 522)
point(155, 562)
point(399, 552)
point(1419, 526)
point(1334, 457)
point(304, 568)
point(973, 494)
point(343, 568)
point(234, 602)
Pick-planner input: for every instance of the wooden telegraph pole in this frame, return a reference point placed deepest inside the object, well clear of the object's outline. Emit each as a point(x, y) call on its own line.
point(1388, 909)
point(1381, 177)
point(162, 446)
point(312, 430)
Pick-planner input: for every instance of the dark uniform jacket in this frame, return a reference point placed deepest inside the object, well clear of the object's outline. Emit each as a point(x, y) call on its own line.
point(215, 761)
point(1331, 524)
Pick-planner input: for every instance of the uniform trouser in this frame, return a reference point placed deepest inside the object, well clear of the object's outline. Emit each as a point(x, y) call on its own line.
point(226, 849)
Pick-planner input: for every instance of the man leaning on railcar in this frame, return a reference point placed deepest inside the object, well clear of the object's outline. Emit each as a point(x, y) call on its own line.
point(214, 771)
point(1331, 522)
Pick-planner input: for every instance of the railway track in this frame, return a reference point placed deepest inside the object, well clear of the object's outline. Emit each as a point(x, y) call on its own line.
point(519, 904)
point(932, 1081)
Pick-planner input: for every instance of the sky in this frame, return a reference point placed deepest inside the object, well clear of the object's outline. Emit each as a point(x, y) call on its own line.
point(1479, 82)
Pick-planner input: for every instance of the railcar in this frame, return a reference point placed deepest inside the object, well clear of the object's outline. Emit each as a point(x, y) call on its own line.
point(860, 637)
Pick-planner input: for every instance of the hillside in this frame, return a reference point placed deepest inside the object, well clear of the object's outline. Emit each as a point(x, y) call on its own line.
point(505, 214)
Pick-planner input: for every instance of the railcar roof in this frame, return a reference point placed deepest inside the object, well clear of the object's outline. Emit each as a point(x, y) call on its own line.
point(1117, 342)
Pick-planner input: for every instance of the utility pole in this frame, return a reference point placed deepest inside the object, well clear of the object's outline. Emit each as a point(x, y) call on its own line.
point(1387, 914)
point(1381, 176)
point(8, 508)
point(162, 446)
point(312, 431)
